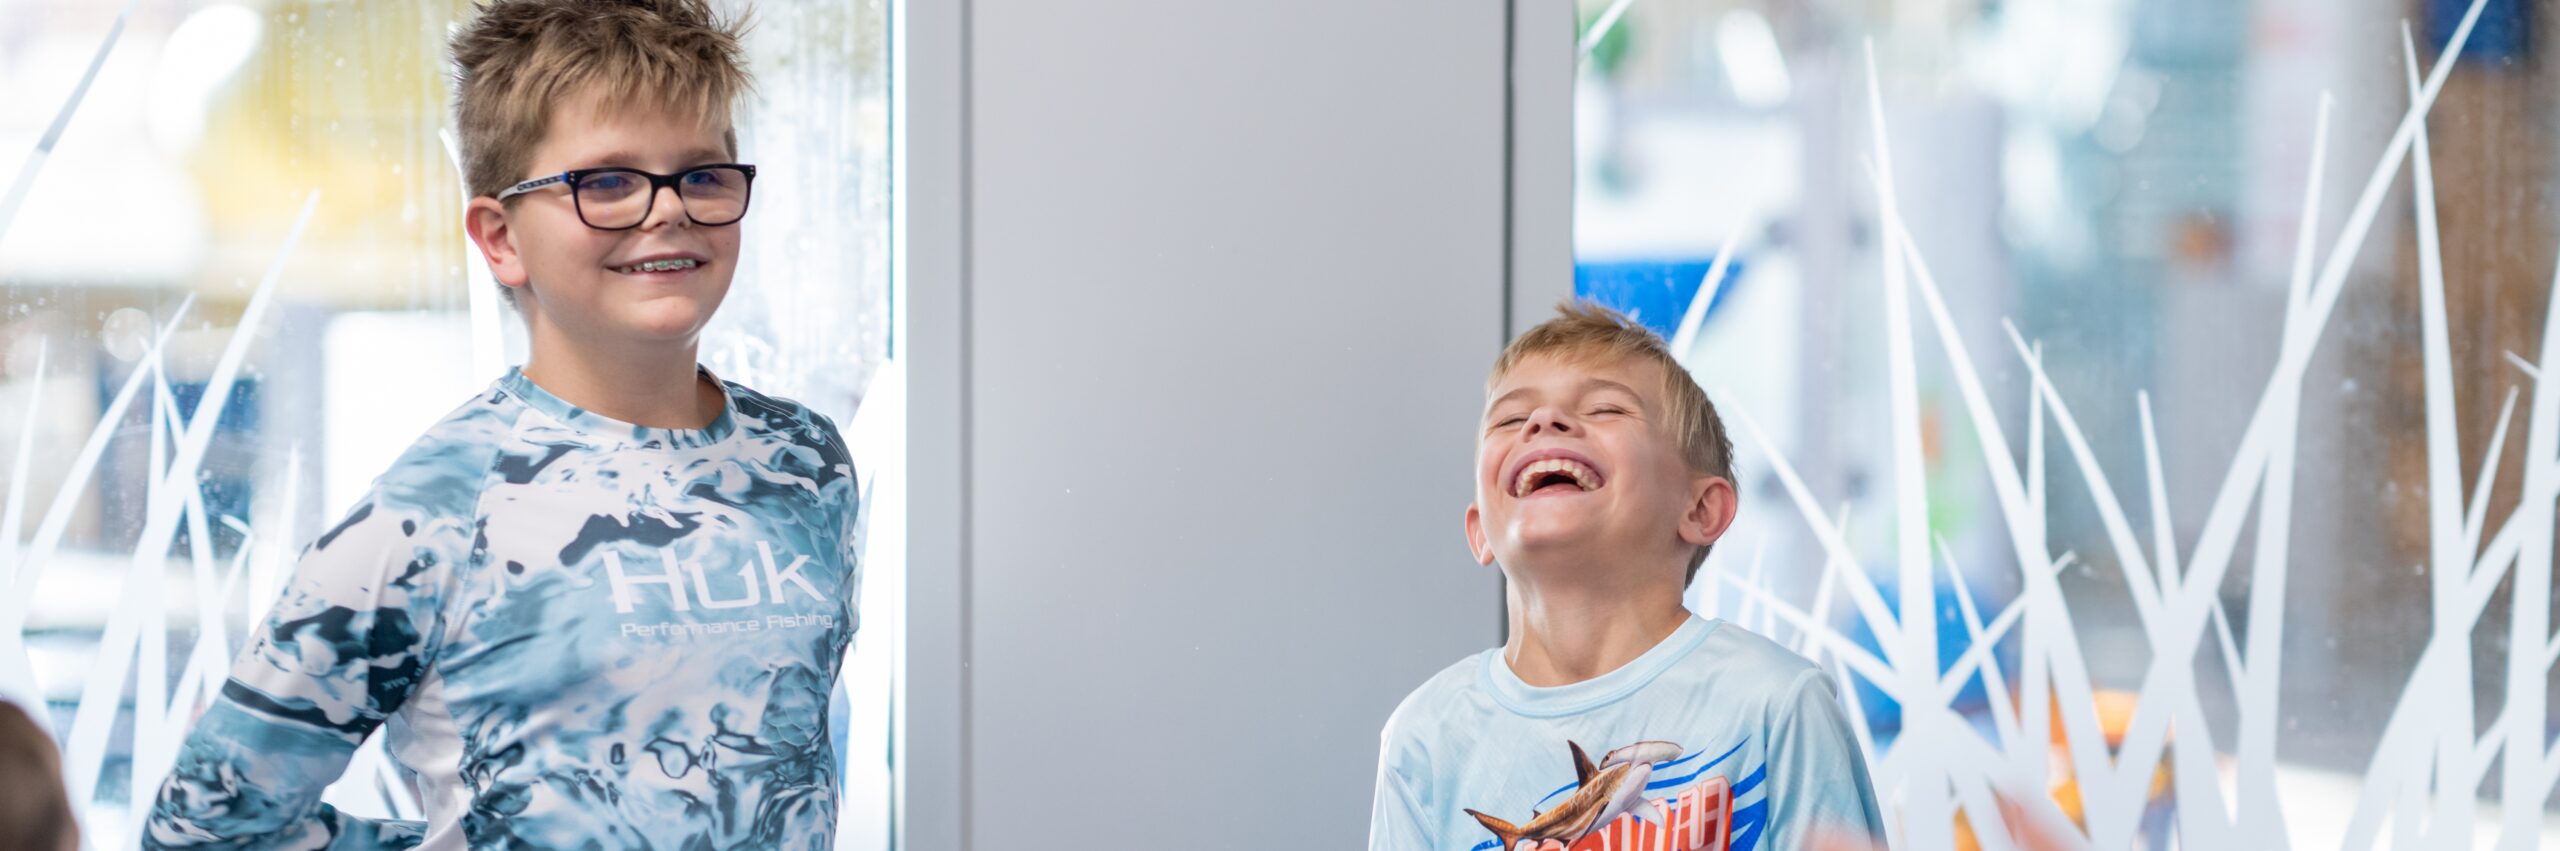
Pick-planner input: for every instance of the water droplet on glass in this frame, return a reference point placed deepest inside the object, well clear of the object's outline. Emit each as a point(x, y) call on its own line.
point(125, 333)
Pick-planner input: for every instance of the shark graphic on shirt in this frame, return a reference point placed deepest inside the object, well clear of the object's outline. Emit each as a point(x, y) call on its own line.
point(1608, 809)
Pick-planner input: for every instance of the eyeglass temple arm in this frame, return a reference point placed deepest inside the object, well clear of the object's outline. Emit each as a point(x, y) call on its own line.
point(531, 185)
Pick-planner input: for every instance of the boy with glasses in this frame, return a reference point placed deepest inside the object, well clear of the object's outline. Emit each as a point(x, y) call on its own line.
point(603, 603)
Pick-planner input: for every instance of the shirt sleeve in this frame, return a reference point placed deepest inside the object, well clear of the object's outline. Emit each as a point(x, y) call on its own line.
point(1396, 819)
point(1818, 782)
point(342, 649)
point(852, 525)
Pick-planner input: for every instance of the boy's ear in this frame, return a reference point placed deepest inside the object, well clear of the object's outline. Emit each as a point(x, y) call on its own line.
point(1710, 511)
point(1476, 542)
point(485, 219)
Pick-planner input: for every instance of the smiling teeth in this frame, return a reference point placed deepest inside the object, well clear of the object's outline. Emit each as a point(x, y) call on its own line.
point(661, 266)
point(1582, 475)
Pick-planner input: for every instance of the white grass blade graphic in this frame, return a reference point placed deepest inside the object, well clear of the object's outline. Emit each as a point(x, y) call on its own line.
point(16, 195)
point(84, 752)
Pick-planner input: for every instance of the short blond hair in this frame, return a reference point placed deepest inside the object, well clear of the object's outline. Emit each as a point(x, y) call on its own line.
point(520, 60)
point(1584, 332)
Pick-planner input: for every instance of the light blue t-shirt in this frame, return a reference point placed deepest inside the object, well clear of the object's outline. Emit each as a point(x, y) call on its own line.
point(1715, 738)
point(575, 633)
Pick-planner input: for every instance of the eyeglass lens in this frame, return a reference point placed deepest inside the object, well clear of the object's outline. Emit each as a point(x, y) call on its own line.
point(714, 195)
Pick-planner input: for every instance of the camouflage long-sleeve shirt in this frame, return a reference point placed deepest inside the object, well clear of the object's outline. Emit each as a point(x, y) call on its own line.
point(575, 632)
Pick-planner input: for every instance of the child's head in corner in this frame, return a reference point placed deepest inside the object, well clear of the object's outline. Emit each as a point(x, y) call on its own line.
point(35, 812)
point(1600, 465)
point(597, 147)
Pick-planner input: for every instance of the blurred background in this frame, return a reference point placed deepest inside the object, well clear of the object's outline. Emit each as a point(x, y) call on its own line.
point(2121, 184)
point(234, 285)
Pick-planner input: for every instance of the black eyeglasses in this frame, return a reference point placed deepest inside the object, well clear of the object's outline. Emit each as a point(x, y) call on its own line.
point(620, 198)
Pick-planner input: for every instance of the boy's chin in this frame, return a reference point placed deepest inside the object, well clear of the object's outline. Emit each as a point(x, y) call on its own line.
point(1544, 541)
point(1569, 523)
point(666, 318)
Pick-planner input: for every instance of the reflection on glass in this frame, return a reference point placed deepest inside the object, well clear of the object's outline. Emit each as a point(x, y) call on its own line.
point(233, 285)
point(2137, 401)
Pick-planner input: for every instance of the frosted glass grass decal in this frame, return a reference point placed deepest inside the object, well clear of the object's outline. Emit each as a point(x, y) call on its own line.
point(1950, 781)
point(134, 644)
point(18, 186)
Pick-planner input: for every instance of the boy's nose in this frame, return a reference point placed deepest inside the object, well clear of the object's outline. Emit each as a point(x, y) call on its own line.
point(666, 208)
point(1546, 419)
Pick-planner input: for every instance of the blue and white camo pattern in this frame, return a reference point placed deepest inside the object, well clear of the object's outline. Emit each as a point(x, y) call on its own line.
point(581, 634)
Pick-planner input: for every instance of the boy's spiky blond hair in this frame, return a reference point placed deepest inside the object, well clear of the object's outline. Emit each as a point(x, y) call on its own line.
point(521, 60)
point(1585, 331)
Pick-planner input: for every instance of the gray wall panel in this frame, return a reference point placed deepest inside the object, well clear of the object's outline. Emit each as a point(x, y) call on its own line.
point(1236, 270)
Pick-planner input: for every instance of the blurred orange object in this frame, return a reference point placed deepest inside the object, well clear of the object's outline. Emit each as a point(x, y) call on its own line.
point(2115, 716)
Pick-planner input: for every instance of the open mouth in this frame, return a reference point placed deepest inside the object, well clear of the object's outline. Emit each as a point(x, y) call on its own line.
point(1555, 474)
point(666, 266)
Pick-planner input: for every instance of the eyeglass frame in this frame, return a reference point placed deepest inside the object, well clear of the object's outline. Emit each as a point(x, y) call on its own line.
point(657, 181)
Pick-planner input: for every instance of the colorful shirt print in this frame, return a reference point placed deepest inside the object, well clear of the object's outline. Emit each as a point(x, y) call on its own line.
point(574, 632)
point(1714, 739)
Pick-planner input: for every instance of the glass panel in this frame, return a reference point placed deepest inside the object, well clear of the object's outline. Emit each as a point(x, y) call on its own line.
point(2136, 402)
point(233, 286)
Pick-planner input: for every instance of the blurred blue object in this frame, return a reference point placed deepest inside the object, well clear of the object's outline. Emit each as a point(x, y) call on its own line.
point(1973, 701)
point(1655, 292)
point(2503, 35)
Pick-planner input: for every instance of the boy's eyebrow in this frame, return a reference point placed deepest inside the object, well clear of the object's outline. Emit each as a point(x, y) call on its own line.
point(695, 157)
point(1588, 385)
point(1498, 400)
